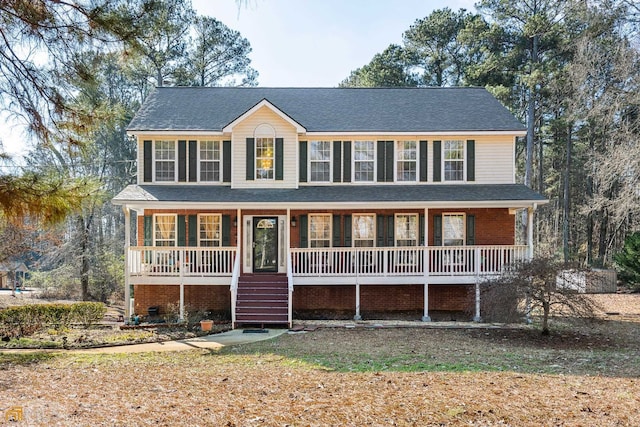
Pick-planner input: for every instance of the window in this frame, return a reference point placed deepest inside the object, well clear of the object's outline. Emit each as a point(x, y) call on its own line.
point(320, 161)
point(453, 160)
point(364, 231)
point(407, 155)
point(164, 232)
point(210, 161)
point(363, 161)
point(406, 230)
point(453, 229)
point(165, 159)
point(209, 227)
point(320, 231)
point(265, 155)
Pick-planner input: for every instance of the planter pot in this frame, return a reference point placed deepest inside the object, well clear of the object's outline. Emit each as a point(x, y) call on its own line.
point(206, 325)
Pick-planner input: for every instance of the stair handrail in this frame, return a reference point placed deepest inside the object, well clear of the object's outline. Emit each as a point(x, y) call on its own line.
point(290, 287)
point(234, 286)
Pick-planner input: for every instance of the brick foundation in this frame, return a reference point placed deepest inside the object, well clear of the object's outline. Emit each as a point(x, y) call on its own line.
point(216, 299)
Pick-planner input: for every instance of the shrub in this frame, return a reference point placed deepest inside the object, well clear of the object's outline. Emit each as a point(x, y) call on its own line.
point(88, 313)
point(628, 261)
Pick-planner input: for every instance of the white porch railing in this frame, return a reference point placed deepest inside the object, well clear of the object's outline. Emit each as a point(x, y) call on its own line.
point(404, 261)
point(181, 261)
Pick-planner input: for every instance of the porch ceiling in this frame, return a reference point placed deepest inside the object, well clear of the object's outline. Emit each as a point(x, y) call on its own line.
point(332, 196)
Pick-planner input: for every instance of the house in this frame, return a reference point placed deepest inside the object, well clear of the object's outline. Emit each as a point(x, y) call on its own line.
point(265, 202)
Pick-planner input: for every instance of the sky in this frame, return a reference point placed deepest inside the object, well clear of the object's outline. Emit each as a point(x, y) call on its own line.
point(302, 43)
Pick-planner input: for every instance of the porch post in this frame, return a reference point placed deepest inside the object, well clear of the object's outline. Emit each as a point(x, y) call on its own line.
point(357, 316)
point(181, 286)
point(425, 315)
point(477, 317)
point(127, 244)
point(530, 232)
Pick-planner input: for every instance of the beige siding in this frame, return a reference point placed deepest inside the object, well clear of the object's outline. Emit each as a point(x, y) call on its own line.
point(245, 130)
point(495, 159)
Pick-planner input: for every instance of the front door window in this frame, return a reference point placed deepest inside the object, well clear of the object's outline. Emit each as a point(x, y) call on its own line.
point(265, 244)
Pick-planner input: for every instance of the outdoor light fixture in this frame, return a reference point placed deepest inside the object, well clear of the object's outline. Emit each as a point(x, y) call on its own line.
point(235, 221)
point(294, 221)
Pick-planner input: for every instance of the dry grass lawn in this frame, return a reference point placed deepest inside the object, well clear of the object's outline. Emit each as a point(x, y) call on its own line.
point(582, 376)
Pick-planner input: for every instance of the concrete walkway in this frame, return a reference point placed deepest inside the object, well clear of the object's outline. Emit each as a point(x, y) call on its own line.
point(208, 342)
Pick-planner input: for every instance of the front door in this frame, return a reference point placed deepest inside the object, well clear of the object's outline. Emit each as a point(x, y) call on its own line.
point(265, 244)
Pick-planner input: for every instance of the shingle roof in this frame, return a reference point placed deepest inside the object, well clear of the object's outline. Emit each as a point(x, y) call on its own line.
point(329, 109)
point(472, 193)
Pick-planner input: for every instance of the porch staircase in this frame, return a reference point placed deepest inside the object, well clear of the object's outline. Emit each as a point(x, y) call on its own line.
point(262, 299)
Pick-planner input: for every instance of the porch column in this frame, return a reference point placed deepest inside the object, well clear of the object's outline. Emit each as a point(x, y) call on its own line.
point(357, 316)
point(127, 244)
point(182, 254)
point(425, 315)
point(477, 317)
point(530, 232)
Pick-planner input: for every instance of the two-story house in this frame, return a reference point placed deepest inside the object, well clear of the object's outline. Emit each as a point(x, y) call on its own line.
point(264, 202)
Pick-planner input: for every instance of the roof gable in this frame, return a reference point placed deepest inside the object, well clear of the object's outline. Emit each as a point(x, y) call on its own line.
point(264, 103)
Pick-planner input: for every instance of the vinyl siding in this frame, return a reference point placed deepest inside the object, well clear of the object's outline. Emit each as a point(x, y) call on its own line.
point(495, 159)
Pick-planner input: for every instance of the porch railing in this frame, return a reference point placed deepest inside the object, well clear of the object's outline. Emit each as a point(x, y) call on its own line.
point(181, 261)
point(405, 261)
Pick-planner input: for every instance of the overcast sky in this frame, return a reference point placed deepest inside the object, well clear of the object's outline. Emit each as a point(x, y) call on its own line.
point(303, 43)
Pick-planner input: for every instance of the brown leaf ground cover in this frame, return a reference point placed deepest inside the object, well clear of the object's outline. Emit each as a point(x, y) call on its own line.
point(580, 375)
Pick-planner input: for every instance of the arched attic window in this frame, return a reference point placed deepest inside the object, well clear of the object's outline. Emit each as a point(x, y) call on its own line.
point(265, 154)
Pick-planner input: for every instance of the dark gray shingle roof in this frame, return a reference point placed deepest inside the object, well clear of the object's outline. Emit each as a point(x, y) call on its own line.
point(329, 109)
point(329, 194)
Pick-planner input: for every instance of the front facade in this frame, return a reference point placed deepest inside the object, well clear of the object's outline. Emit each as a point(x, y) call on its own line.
point(264, 203)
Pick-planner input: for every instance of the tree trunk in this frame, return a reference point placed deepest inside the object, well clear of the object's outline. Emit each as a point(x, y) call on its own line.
point(84, 259)
point(567, 196)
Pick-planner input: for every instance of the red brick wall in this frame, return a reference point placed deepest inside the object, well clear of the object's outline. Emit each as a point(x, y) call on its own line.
point(196, 298)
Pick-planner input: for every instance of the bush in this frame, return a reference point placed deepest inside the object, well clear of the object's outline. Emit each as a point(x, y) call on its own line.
point(628, 261)
point(88, 313)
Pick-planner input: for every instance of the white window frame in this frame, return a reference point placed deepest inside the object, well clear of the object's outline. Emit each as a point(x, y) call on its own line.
point(311, 234)
point(397, 223)
point(258, 176)
point(174, 160)
point(463, 160)
point(201, 160)
point(464, 227)
point(354, 161)
point(353, 230)
point(398, 160)
point(311, 162)
point(175, 230)
point(218, 239)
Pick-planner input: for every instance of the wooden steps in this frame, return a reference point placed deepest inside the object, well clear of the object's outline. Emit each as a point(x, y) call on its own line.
point(262, 299)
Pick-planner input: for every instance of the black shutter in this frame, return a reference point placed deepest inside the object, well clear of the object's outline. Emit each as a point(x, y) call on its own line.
point(346, 162)
point(148, 230)
point(437, 230)
point(304, 231)
point(193, 161)
point(148, 161)
point(279, 159)
point(182, 230)
point(226, 230)
point(471, 160)
point(421, 231)
point(226, 161)
point(471, 230)
point(423, 161)
point(337, 232)
point(337, 161)
point(391, 230)
point(182, 161)
point(302, 165)
point(437, 161)
point(251, 161)
point(381, 170)
point(347, 230)
point(380, 240)
point(389, 161)
point(193, 230)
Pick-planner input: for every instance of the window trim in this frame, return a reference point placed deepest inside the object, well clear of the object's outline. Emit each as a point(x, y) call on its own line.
point(396, 160)
point(463, 160)
point(175, 161)
point(273, 158)
point(354, 161)
point(199, 166)
point(309, 162)
point(464, 227)
point(353, 229)
point(219, 239)
point(175, 224)
point(395, 232)
point(309, 234)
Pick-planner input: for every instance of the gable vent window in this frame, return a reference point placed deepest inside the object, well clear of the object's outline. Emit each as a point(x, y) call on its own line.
point(363, 161)
point(165, 160)
point(210, 161)
point(320, 161)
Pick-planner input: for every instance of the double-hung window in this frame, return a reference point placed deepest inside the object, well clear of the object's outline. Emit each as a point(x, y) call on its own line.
point(320, 161)
point(454, 160)
point(406, 229)
point(209, 161)
point(406, 160)
point(210, 230)
point(453, 232)
point(320, 230)
point(165, 160)
point(164, 231)
point(363, 161)
point(364, 230)
point(265, 158)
